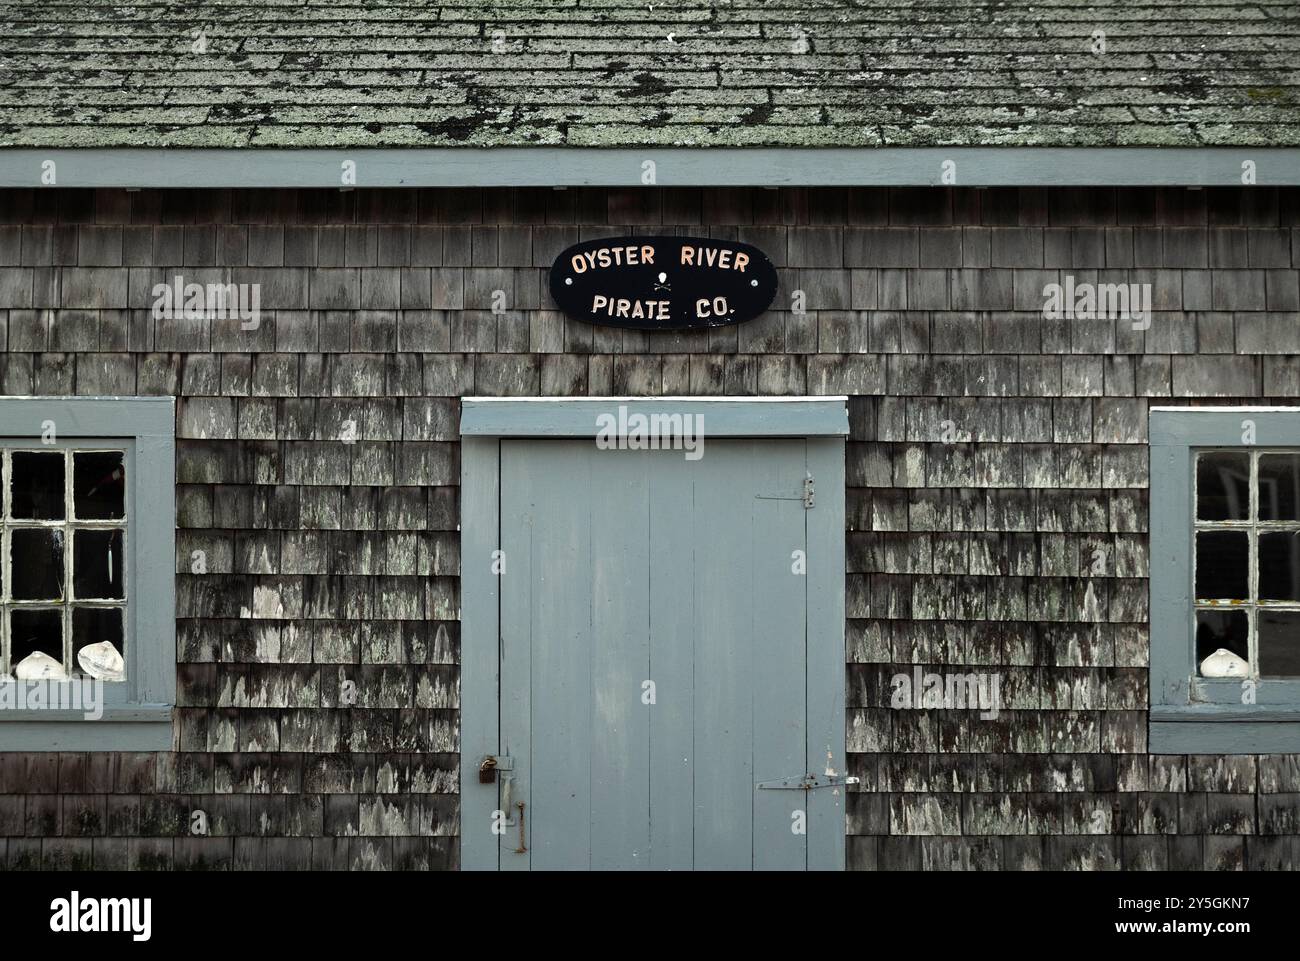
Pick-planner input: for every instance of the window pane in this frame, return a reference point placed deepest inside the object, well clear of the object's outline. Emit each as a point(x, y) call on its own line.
point(1279, 487)
point(1279, 566)
point(98, 485)
point(97, 639)
point(36, 565)
point(1223, 486)
point(35, 631)
point(37, 485)
point(1222, 567)
point(97, 565)
point(1279, 643)
point(1217, 630)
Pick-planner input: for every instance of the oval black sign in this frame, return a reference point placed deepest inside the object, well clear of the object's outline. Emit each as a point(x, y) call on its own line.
point(663, 283)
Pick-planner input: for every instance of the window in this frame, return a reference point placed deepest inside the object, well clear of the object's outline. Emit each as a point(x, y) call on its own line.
point(64, 529)
point(87, 609)
point(1225, 580)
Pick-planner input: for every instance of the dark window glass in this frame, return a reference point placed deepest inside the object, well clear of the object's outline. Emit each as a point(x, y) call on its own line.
point(97, 564)
point(1223, 486)
point(36, 564)
point(36, 489)
point(1279, 643)
point(1222, 568)
point(93, 625)
point(1216, 629)
point(1279, 487)
point(98, 485)
point(32, 631)
point(1279, 565)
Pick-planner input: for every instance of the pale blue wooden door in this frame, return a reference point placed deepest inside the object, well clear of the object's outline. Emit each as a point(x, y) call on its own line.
point(654, 656)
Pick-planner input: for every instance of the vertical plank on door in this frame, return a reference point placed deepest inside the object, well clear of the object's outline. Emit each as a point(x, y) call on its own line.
point(480, 664)
point(673, 531)
point(620, 660)
point(515, 641)
point(559, 483)
point(724, 669)
point(778, 652)
point(826, 654)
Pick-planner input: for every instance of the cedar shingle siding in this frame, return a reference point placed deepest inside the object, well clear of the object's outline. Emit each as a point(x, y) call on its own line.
point(329, 561)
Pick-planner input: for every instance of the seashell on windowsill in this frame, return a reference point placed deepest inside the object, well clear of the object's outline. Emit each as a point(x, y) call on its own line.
point(39, 666)
point(102, 661)
point(1223, 663)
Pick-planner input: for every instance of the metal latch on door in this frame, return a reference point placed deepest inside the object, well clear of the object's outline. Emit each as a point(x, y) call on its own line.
point(487, 771)
point(806, 782)
point(487, 774)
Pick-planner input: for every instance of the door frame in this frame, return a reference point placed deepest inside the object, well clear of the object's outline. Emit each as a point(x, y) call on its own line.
point(486, 421)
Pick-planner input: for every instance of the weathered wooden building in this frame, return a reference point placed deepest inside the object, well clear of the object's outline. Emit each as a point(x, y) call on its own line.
point(996, 504)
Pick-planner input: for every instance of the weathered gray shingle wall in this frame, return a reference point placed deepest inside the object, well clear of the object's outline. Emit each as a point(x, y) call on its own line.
point(329, 560)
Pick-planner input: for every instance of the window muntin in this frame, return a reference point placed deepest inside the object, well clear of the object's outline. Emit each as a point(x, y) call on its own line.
point(63, 541)
point(1246, 559)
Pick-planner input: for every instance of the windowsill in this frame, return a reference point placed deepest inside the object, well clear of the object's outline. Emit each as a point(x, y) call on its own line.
point(1280, 692)
point(113, 724)
point(1225, 713)
point(1224, 729)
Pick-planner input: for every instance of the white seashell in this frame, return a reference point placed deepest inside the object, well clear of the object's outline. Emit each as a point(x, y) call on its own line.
point(1223, 663)
point(101, 661)
point(39, 666)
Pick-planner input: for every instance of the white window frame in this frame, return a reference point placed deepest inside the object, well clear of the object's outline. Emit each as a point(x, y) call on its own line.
point(137, 712)
point(1191, 714)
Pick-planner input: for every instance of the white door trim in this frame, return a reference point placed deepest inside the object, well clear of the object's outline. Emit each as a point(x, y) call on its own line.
point(485, 421)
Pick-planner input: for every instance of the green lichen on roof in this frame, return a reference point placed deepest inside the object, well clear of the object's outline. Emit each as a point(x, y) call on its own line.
point(626, 73)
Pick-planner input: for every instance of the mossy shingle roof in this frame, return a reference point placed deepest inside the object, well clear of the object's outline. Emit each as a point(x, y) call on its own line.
point(318, 73)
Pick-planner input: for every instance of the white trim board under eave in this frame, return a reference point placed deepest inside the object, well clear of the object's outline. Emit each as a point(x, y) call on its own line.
point(673, 167)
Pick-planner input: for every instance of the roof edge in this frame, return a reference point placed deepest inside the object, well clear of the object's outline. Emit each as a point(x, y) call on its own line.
point(132, 167)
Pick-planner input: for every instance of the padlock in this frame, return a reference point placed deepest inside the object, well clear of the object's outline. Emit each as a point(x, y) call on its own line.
point(487, 771)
